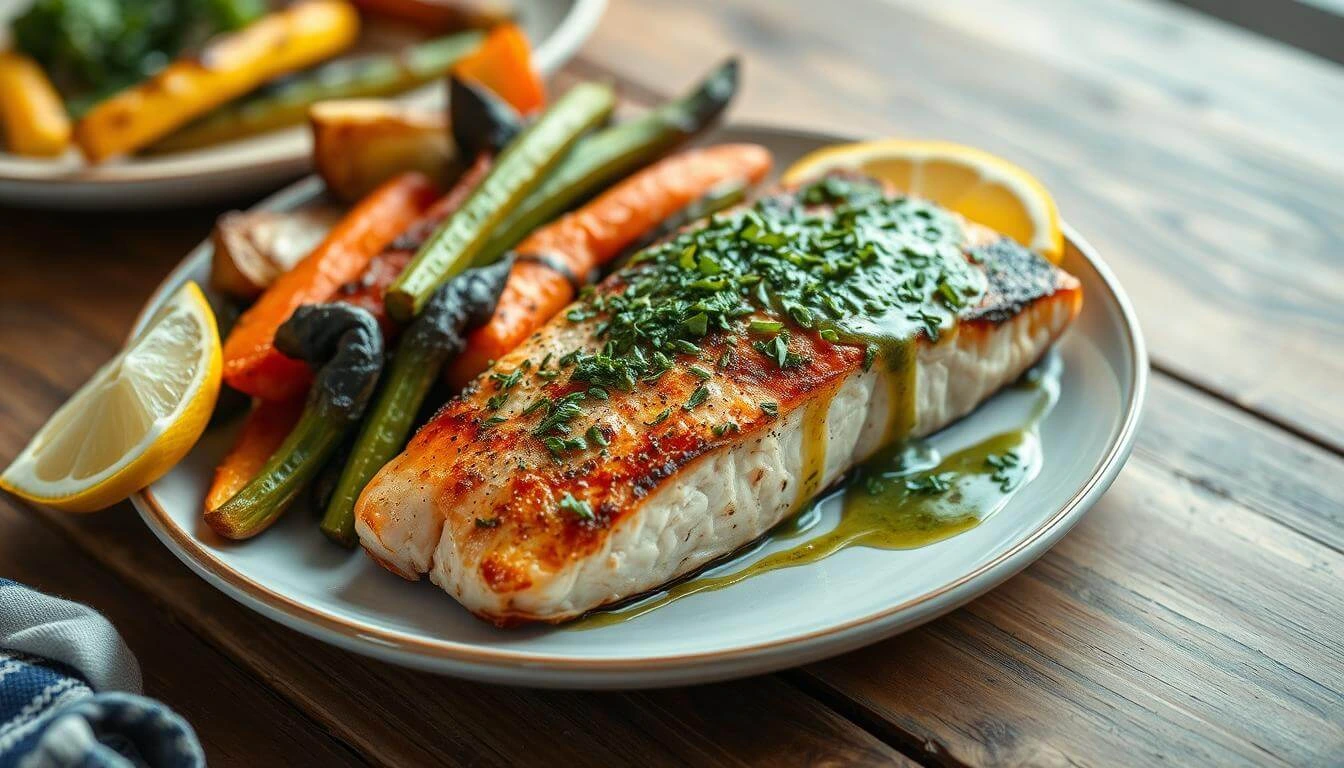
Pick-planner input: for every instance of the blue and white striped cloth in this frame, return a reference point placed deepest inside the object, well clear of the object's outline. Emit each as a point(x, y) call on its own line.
point(69, 692)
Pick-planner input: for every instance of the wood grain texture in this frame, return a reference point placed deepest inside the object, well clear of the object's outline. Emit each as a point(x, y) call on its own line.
point(1194, 617)
point(1272, 93)
point(238, 722)
point(1215, 222)
point(395, 716)
point(1309, 25)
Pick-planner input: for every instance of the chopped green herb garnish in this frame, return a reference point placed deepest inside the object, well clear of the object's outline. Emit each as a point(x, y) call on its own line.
point(869, 355)
point(579, 508)
point(697, 397)
point(487, 522)
point(1002, 464)
point(777, 349)
point(596, 437)
point(868, 268)
point(932, 483)
point(540, 404)
point(660, 418)
point(504, 381)
point(559, 446)
point(561, 413)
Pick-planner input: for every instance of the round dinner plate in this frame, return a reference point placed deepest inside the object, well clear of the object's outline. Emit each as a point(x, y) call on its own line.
point(776, 619)
point(556, 27)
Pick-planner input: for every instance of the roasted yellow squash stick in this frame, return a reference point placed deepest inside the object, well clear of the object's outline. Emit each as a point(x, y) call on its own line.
point(34, 119)
point(227, 68)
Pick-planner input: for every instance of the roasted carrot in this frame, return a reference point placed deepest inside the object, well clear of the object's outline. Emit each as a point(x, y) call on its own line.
point(366, 292)
point(252, 364)
point(540, 284)
point(228, 67)
point(503, 64)
point(266, 427)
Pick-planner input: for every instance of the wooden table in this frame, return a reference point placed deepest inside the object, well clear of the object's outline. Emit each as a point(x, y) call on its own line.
point(1195, 616)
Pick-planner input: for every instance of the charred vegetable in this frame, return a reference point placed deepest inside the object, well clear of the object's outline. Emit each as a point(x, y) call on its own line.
point(481, 121)
point(616, 152)
point(251, 362)
point(519, 170)
point(228, 67)
point(345, 347)
point(553, 259)
point(287, 102)
point(101, 44)
point(361, 143)
point(253, 248)
point(438, 334)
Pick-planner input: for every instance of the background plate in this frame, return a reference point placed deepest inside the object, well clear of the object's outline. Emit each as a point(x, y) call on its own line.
point(557, 29)
point(779, 619)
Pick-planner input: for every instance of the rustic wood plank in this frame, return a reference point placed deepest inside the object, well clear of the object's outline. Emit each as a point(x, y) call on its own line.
point(239, 722)
point(1276, 94)
point(1188, 618)
point(1312, 25)
point(1219, 231)
point(1182, 621)
point(401, 717)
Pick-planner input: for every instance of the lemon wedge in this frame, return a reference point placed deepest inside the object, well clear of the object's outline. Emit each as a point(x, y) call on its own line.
point(985, 189)
point(136, 418)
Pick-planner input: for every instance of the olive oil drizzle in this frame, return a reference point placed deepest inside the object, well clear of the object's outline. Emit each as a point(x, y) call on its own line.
point(886, 504)
point(899, 359)
point(815, 437)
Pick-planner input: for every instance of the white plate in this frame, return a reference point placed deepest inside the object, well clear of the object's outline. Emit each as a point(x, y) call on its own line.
point(779, 619)
point(556, 27)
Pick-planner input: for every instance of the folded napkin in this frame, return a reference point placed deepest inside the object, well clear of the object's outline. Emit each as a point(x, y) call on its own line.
point(68, 692)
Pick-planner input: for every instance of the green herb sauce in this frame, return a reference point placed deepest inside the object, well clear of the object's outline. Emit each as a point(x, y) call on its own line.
point(904, 497)
point(842, 258)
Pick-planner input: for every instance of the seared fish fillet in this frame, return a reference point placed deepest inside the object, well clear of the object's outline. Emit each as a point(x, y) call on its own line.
point(517, 531)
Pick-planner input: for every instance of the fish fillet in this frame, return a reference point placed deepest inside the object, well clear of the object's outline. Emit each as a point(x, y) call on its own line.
point(480, 506)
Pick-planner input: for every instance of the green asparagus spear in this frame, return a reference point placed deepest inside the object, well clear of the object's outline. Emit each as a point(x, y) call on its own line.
point(616, 152)
point(346, 342)
point(466, 302)
point(520, 169)
point(286, 102)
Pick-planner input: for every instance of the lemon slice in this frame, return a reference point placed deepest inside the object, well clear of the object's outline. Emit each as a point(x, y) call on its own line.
point(983, 188)
point(135, 419)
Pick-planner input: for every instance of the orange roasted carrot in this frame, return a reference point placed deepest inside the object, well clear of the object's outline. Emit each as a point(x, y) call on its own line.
point(266, 428)
point(367, 291)
point(593, 235)
point(252, 364)
point(503, 64)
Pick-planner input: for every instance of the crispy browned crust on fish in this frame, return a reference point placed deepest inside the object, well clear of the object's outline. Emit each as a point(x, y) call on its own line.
point(650, 436)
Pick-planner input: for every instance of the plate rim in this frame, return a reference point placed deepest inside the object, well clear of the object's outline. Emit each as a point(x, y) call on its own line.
point(558, 48)
point(549, 669)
